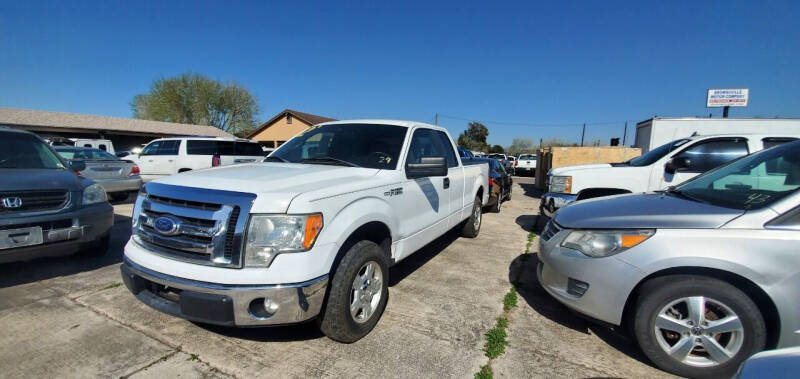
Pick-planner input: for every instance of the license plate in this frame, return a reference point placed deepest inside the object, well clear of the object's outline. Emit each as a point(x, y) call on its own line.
point(20, 237)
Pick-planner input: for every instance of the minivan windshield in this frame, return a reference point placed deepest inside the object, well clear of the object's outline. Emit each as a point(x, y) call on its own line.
point(358, 145)
point(19, 150)
point(652, 156)
point(751, 182)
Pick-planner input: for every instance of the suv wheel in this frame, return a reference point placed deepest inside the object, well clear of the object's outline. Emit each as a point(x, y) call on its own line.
point(696, 326)
point(358, 294)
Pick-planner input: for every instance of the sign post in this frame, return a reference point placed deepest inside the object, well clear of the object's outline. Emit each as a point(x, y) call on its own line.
point(726, 98)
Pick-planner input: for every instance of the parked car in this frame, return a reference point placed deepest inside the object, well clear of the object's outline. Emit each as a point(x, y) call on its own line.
point(705, 274)
point(500, 182)
point(117, 177)
point(168, 156)
point(308, 234)
point(102, 144)
point(511, 165)
point(45, 209)
point(665, 166)
point(774, 364)
point(527, 164)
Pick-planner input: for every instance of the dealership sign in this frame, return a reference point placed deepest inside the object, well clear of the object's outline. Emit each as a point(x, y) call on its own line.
point(732, 97)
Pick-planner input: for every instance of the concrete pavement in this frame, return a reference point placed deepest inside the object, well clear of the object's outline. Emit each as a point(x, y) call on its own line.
point(69, 317)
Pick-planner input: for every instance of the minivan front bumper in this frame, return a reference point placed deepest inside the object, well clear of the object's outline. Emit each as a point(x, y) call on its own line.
point(225, 304)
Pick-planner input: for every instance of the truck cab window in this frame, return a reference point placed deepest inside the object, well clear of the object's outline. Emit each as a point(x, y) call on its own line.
point(425, 143)
point(710, 154)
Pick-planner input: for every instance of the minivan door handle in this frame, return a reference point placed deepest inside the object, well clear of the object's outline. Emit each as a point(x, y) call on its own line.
point(446, 183)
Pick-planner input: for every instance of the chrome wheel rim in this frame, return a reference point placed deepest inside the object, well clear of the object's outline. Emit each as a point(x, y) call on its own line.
point(476, 217)
point(366, 292)
point(699, 331)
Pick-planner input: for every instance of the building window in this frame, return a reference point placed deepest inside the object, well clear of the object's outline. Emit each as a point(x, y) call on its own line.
point(281, 143)
point(288, 119)
point(270, 144)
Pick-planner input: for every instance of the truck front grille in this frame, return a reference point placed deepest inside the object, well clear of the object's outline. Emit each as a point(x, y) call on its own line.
point(191, 224)
point(33, 201)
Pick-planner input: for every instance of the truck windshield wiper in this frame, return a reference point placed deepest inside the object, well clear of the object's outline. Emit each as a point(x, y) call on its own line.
point(275, 159)
point(330, 160)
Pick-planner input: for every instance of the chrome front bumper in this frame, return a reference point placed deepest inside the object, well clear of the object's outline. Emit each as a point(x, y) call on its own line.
point(221, 304)
point(552, 202)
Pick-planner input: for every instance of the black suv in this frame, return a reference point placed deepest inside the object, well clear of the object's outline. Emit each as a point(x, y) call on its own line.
point(46, 208)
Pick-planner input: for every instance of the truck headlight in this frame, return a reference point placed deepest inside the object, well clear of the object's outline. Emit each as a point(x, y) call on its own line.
point(561, 184)
point(93, 194)
point(604, 243)
point(270, 235)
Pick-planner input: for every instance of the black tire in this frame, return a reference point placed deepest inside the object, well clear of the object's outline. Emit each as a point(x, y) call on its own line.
point(499, 204)
point(335, 319)
point(470, 230)
point(660, 292)
point(119, 196)
point(97, 248)
point(508, 195)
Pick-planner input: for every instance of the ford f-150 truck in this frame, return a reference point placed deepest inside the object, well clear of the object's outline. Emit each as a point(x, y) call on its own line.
point(667, 165)
point(309, 233)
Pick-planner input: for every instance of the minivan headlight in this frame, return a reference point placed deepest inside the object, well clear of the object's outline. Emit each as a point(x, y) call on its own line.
point(93, 194)
point(561, 184)
point(270, 235)
point(604, 243)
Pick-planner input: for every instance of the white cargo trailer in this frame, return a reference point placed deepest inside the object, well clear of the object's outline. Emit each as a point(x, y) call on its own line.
point(657, 131)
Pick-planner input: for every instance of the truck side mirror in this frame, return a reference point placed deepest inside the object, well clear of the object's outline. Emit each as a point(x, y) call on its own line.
point(677, 164)
point(429, 166)
point(77, 166)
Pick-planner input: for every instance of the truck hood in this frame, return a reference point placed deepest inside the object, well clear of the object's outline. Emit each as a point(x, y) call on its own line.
point(275, 184)
point(39, 179)
point(651, 210)
point(568, 169)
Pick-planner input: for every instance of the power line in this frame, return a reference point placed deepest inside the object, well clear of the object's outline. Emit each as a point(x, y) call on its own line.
point(529, 124)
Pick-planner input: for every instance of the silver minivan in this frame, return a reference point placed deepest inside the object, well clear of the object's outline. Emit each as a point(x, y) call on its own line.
point(704, 274)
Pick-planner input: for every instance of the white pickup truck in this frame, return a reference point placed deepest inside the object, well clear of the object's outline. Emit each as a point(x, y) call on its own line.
point(659, 168)
point(309, 233)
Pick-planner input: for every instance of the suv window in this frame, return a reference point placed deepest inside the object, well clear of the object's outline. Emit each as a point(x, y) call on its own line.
point(448, 149)
point(201, 147)
point(713, 153)
point(19, 150)
point(425, 143)
point(248, 148)
point(164, 147)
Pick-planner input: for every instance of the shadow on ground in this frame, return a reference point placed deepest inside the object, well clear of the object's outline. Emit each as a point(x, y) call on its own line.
point(408, 265)
point(283, 333)
point(16, 273)
point(522, 273)
point(531, 190)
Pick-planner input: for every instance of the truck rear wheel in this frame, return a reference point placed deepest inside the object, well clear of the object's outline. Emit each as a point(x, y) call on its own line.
point(472, 226)
point(358, 294)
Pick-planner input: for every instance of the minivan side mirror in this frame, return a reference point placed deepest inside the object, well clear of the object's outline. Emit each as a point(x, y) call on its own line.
point(77, 165)
point(677, 164)
point(428, 166)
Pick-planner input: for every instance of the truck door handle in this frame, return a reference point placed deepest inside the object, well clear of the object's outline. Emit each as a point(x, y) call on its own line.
point(446, 183)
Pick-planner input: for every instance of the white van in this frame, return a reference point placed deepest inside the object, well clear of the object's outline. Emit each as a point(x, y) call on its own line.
point(167, 156)
point(102, 144)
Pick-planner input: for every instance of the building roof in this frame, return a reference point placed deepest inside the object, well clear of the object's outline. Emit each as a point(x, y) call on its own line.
point(308, 118)
point(34, 118)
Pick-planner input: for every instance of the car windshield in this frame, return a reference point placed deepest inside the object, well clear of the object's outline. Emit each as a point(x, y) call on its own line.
point(362, 145)
point(18, 150)
point(752, 182)
point(653, 155)
point(85, 154)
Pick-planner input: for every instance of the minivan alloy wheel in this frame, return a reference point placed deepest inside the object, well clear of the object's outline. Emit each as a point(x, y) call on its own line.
point(366, 292)
point(699, 331)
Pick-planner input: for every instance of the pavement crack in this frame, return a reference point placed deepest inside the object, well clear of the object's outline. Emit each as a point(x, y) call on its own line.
point(151, 364)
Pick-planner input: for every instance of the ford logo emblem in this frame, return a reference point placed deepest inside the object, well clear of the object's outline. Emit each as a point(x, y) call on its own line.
point(167, 225)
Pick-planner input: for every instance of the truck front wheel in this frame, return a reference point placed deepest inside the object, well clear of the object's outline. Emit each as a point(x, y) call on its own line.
point(358, 294)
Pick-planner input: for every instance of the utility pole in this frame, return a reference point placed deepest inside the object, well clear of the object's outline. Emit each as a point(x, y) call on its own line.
point(583, 133)
point(625, 134)
point(436, 119)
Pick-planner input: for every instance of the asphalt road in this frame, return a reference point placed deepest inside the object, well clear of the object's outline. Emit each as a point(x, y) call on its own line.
point(71, 317)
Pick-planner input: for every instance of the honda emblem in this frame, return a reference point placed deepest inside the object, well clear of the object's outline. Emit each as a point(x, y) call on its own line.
point(11, 202)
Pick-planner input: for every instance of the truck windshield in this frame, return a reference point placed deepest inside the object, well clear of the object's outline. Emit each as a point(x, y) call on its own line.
point(19, 150)
point(752, 182)
point(360, 145)
point(653, 155)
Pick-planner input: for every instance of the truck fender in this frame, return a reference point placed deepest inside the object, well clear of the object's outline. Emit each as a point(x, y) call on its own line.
point(352, 216)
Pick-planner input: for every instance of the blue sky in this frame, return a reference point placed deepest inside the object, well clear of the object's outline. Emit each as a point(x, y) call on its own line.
point(525, 69)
